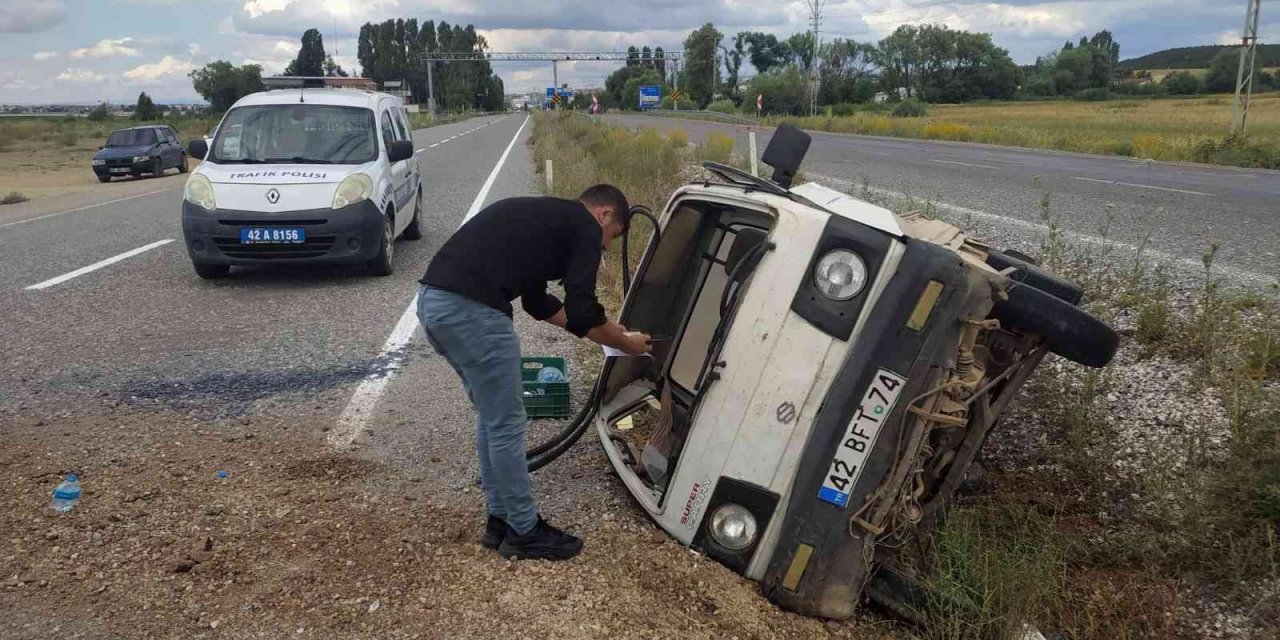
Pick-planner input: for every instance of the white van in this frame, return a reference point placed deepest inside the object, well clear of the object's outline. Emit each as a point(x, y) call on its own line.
point(304, 175)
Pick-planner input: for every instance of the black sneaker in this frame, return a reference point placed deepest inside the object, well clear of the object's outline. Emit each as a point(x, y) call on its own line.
point(495, 529)
point(543, 542)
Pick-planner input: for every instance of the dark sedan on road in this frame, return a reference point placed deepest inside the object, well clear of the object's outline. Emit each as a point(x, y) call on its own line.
point(132, 152)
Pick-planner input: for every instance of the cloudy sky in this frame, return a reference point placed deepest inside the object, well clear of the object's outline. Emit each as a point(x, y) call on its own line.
point(85, 51)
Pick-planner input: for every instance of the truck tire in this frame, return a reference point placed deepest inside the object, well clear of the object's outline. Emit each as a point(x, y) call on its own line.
point(1028, 273)
point(1066, 329)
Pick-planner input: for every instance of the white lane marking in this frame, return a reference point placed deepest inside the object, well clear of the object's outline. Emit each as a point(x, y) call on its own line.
point(433, 145)
point(488, 183)
point(351, 423)
point(1142, 186)
point(966, 164)
point(98, 265)
point(419, 150)
point(358, 410)
point(88, 206)
point(1192, 264)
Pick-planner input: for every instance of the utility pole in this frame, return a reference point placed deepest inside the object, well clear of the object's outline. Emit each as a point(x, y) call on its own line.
point(1244, 78)
point(815, 12)
point(431, 87)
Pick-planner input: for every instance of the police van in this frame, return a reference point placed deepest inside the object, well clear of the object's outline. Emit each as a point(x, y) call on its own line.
point(304, 175)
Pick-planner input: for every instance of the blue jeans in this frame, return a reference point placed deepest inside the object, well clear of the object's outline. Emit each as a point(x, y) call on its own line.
point(481, 345)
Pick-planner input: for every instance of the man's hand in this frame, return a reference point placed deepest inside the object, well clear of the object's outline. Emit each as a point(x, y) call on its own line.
point(636, 343)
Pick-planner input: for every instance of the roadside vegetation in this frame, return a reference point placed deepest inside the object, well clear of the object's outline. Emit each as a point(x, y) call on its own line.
point(1188, 129)
point(1137, 501)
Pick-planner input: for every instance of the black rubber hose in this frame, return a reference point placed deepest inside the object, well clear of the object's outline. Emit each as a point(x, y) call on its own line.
point(542, 455)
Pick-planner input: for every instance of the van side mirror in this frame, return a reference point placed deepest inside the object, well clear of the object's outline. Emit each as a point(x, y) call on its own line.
point(197, 149)
point(400, 150)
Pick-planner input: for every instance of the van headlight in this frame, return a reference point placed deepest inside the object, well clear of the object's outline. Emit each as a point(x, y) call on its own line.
point(733, 527)
point(355, 188)
point(199, 191)
point(840, 275)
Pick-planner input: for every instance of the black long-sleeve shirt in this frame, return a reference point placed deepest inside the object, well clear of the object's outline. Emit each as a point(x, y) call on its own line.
point(513, 247)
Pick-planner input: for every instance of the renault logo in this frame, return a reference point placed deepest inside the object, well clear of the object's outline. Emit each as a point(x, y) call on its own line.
point(273, 195)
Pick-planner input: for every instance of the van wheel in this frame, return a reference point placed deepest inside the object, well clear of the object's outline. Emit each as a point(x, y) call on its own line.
point(1068, 330)
point(212, 271)
point(380, 265)
point(414, 230)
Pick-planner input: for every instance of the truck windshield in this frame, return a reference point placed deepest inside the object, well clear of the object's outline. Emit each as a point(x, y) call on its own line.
point(132, 138)
point(297, 134)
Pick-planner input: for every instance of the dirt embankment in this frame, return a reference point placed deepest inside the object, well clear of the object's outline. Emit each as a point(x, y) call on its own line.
point(297, 542)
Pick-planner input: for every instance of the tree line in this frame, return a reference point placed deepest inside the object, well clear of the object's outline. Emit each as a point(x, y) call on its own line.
point(387, 51)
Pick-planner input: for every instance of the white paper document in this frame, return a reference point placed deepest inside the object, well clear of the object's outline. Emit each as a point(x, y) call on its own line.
point(610, 352)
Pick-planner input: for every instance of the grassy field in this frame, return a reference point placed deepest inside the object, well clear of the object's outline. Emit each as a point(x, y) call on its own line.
point(1064, 543)
point(1190, 129)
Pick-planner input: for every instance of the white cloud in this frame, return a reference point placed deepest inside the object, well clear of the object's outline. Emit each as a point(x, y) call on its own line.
point(151, 73)
point(72, 74)
point(24, 16)
point(41, 56)
point(107, 48)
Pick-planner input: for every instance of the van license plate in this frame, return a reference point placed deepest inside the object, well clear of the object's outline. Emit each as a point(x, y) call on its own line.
point(273, 235)
point(860, 437)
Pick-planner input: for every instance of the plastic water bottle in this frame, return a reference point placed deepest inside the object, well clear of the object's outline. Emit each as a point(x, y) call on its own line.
point(66, 494)
point(551, 374)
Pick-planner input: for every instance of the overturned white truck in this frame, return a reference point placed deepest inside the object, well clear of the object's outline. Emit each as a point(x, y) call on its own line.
point(824, 375)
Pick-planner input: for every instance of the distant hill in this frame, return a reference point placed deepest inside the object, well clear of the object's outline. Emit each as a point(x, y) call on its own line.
point(1197, 57)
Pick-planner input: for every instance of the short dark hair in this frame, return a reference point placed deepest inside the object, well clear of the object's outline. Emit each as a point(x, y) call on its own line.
point(607, 195)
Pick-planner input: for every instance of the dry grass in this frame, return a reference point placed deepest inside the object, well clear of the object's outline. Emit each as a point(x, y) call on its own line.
point(1189, 129)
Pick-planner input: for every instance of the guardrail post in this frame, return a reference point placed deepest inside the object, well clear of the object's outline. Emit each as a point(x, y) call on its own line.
point(755, 162)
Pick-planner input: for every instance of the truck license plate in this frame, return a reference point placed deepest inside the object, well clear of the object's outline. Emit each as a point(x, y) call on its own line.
point(860, 437)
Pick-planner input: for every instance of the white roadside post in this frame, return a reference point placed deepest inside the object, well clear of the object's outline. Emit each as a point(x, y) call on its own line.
point(751, 142)
point(550, 179)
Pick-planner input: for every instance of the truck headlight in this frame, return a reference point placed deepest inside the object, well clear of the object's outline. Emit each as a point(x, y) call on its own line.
point(355, 188)
point(199, 191)
point(733, 527)
point(840, 275)
point(98, 162)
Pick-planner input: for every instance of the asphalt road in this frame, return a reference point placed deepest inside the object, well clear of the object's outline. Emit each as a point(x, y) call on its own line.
point(146, 329)
point(1182, 206)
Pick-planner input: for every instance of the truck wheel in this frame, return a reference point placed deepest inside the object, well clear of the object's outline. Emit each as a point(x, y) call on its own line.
point(212, 271)
point(1068, 330)
point(380, 265)
point(414, 230)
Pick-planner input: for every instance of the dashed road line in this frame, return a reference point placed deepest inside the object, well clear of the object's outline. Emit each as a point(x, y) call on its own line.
point(98, 265)
point(351, 423)
point(88, 206)
point(1142, 186)
point(966, 164)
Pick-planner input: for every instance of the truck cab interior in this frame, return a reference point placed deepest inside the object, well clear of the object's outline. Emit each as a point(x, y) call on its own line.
point(686, 295)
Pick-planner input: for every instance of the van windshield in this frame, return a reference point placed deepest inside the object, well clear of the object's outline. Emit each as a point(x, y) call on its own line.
point(132, 138)
point(296, 133)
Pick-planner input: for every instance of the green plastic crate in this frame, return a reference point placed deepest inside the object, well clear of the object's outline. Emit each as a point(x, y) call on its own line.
point(544, 399)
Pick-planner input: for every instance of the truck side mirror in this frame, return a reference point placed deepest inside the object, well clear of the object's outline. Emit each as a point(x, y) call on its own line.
point(197, 149)
point(785, 152)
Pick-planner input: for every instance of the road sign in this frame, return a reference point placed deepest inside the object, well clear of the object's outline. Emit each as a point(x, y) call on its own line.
point(676, 95)
point(650, 96)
